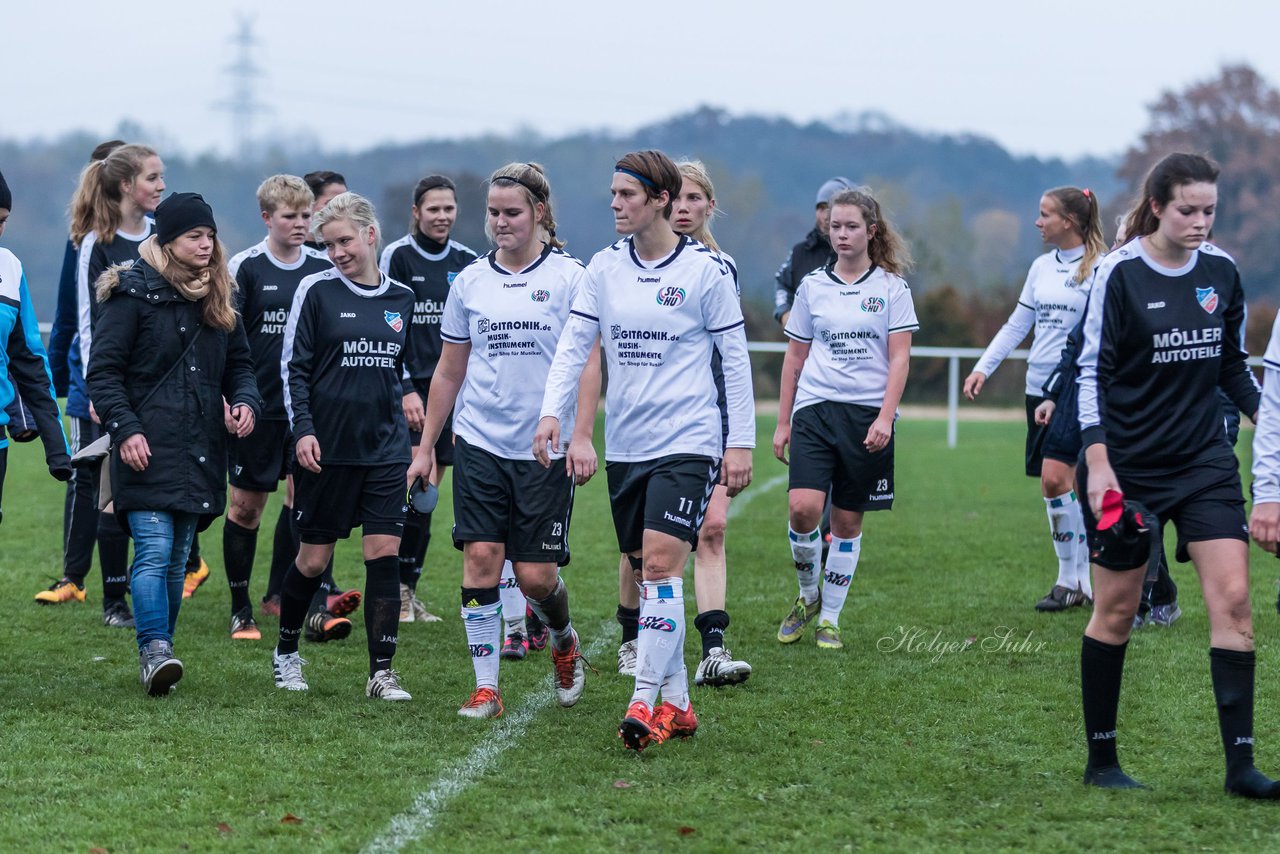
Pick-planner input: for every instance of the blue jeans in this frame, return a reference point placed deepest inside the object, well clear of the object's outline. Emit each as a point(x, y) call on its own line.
point(161, 541)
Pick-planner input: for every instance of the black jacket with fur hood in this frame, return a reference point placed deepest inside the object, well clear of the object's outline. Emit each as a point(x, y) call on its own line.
point(142, 330)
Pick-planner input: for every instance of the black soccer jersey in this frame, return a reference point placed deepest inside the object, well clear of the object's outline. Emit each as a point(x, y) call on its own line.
point(341, 364)
point(267, 286)
point(429, 274)
point(1157, 344)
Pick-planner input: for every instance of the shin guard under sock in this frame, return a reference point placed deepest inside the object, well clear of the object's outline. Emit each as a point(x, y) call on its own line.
point(806, 551)
point(1101, 670)
point(239, 546)
point(554, 613)
point(661, 636)
point(284, 550)
point(295, 597)
point(482, 618)
point(381, 610)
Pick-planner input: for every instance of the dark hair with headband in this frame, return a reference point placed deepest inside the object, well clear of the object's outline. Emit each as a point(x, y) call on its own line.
point(656, 172)
point(1080, 208)
point(530, 178)
point(322, 178)
point(426, 185)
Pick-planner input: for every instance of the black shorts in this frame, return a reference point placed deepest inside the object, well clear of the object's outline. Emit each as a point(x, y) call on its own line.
point(326, 506)
point(1062, 436)
point(1203, 500)
point(828, 454)
point(259, 461)
point(1035, 437)
point(444, 445)
point(669, 494)
point(514, 502)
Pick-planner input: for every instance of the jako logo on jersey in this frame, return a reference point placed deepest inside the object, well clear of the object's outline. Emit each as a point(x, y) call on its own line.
point(1159, 304)
point(1208, 299)
point(347, 314)
point(540, 295)
point(671, 296)
point(661, 624)
point(394, 320)
point(481, 650)
point(873, 304)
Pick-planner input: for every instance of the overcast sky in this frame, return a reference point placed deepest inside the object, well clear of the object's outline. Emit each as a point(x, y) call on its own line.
point(1040, 78)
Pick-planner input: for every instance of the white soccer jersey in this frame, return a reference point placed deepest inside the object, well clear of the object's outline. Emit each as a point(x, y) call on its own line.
point(1051, 301)
point(512, 322)
point(659, 322)
point(1266, 439)
point(848, 325)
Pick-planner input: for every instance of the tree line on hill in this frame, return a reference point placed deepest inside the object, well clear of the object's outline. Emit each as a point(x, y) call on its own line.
point(965, 204)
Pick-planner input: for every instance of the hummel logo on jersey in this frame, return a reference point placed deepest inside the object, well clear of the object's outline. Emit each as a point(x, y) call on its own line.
point(515, 284)
point(540, 295)
point(347, 314)
point(671, 296)
point(393, 320)
point(1208, 299)
point(648, 280)
point(871, 305)
point(1157, 304)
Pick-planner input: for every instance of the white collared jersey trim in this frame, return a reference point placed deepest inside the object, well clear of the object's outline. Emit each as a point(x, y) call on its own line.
point(93, 257)
point(848, 326)
point(341, 364)
point(1266, 438)
point(512, 322)
point(1053, 303)
point(430, 276)
point(659, 323)
point(1158, 342)
point(266, 289)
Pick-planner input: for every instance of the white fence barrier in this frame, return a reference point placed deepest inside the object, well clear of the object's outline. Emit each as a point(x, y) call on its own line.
point(953, 355)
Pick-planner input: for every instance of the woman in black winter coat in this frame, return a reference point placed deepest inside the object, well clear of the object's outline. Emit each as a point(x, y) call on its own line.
point(170, 349)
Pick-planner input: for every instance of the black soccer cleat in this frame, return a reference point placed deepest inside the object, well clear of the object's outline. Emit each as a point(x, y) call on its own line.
point(1252, 783)
point(1110, 777)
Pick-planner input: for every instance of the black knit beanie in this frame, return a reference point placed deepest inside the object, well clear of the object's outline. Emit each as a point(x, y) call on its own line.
point(6, 197)
point(180, 213)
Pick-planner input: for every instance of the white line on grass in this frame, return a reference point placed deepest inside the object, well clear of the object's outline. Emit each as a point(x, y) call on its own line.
point(415, 822)
point(419, 818)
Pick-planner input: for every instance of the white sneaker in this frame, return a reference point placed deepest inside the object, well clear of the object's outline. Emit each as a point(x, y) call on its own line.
point(406, 604)
point(288, 671)
point(720, 668)
point(385, 685)
point(627, 658)
point(420, 612)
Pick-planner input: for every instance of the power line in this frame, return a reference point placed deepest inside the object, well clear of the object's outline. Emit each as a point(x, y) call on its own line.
point(243, 104)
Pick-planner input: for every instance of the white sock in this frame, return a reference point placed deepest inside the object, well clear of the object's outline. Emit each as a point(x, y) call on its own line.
point(675, 687)
point(806, 551)
point(484, 637)
point(661, 636)
point(513, 601)
point(842, 562)
point(1065, 525)
point(1082, 561)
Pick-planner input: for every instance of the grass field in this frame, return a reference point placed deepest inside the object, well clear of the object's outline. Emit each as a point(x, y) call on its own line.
point(882, 746)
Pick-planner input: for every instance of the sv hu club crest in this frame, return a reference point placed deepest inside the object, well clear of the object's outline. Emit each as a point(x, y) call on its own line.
point(671, 296)
point(871, 305)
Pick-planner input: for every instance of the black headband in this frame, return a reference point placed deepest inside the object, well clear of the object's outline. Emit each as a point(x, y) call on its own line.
point(537, 194)
point(641, 178)
point(432, 182)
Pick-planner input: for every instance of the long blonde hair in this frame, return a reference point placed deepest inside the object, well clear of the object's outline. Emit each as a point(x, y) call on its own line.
point(217, 307)
point(95, 207)
point(696, 171)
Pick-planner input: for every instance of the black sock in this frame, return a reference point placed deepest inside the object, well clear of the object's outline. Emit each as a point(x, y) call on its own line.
point(193, 557)
point(239, 545)
point(1232, 673)
point(295, 594)
point(409, 567)
point(711, 625)
point(113, 555)
point(325, 588)
point(424, 540)
point(629, 619)
point(1101, 668)
point(381, 610)
point(284, 549)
